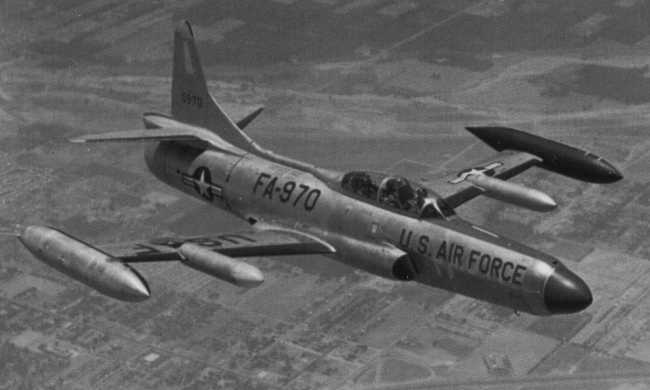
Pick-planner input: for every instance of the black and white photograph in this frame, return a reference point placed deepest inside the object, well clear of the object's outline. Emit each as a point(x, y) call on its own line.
point(324, 194)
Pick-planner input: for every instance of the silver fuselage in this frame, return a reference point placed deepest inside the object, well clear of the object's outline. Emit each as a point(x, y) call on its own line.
point(450, 254)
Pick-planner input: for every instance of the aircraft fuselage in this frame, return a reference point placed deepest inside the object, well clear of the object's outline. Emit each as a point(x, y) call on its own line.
point(451, 254)
point(379, 222)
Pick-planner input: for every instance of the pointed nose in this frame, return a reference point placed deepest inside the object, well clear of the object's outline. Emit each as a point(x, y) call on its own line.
point(614, 174)
point(565, 292)
point(608, 172)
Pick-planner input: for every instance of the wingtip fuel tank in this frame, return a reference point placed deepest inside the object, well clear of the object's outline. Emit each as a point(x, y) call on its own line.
point(84, 263)
point(557, 157)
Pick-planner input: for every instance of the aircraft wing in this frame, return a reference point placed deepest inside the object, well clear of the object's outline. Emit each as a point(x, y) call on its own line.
point(107, 269)
point(461, 186)
point(458, 188)
point(252, 243)
point(516, 152)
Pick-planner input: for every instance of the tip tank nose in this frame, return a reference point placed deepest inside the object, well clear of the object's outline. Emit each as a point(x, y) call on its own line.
point(247, 275)
point(135, 287)
point(545, 202)
point(612, 174)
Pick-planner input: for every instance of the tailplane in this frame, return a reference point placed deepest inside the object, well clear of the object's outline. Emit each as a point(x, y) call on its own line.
point(191, 101)
point(196, 117)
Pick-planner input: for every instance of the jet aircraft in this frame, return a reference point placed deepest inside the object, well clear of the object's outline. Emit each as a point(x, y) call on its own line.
point(386, 224)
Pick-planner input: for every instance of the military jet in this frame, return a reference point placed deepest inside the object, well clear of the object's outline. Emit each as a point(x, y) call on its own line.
point(386, 224)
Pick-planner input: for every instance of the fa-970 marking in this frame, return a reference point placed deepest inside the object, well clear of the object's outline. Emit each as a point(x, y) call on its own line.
point(288, 192)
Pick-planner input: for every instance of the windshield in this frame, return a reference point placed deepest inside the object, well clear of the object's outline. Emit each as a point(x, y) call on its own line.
point(362, 184)
point(396, 193)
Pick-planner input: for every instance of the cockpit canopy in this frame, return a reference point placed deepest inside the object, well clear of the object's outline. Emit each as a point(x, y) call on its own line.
point(396, 193)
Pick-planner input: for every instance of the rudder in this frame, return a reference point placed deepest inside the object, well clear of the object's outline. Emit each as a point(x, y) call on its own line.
point(191, 102)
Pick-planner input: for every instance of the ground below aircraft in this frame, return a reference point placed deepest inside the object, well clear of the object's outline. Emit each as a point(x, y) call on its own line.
point(385, 224)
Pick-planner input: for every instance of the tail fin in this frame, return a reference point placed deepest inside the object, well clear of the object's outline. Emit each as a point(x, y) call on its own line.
point(191, 101)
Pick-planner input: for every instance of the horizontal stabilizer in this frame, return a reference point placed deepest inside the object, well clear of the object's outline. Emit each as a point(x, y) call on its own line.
point(245, 121)
point(187, 134)
point(136, 135)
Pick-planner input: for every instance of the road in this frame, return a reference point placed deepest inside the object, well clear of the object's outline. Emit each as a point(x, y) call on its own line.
point(554, 381)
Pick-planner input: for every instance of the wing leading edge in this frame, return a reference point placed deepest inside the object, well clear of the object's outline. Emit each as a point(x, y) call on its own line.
point(271, 242)
point(460, 187)
point(180, 134)
point(107, 268)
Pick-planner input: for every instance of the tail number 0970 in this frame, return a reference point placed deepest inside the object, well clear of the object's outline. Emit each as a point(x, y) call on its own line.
point(289, 192)
point(191, 99)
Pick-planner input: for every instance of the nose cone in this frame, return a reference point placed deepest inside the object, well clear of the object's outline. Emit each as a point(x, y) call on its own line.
point(565, 292)
point(599, 170)
point(611, 174)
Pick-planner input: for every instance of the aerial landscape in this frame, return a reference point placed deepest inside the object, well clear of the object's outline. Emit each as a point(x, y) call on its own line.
point(346, 84)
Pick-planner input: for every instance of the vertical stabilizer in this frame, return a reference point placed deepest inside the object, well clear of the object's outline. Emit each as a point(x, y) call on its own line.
point(191, 101)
